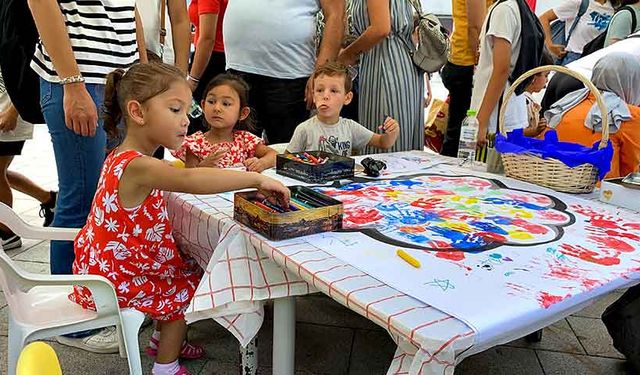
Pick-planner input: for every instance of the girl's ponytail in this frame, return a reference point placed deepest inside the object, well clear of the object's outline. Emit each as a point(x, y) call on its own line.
point(112, 111)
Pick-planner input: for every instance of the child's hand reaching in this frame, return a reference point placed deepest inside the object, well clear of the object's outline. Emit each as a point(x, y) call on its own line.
point(255, 165)
point(390, 126)
point(391, 130)
point(212, 159)
point(274, 191)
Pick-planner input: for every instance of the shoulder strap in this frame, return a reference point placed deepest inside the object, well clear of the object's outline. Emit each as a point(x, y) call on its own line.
point(490, 13)
point(417, 7)
point(163, 29)
point(634, 21)
point(584, 5)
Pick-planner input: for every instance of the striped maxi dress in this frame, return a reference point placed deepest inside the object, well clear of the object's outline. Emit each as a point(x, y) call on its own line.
point(390, 84)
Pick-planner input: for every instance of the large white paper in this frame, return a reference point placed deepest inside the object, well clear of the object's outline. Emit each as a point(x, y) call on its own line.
point(526, 256)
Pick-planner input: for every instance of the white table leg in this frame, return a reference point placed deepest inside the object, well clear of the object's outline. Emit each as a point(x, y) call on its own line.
point(249, 358)
point(284, 335)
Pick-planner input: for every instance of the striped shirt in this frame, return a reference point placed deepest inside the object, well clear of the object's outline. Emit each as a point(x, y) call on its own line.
point(103, 38)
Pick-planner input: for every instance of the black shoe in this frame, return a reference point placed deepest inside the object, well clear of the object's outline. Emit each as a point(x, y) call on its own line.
point(10, 241)
point(47, 209)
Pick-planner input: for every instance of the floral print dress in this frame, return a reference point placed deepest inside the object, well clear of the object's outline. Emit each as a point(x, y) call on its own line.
point(133, 248)
point(242, 147)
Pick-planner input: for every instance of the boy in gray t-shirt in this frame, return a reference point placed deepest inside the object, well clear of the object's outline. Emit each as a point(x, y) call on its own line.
point(327, 131)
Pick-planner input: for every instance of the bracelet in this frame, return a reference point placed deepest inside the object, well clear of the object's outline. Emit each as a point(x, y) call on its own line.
point(72, 79)
point(192, 78)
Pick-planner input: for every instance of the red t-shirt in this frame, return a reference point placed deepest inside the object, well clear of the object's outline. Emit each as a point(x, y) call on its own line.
point(198, 7)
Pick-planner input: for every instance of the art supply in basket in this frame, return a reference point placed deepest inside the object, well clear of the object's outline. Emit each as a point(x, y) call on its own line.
point(309, 212)
point(307, 158)
point(306, 200)
point(297, 204)
point(315, 166)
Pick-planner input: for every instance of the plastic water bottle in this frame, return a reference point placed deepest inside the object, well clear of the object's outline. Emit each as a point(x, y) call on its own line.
point(468, 136)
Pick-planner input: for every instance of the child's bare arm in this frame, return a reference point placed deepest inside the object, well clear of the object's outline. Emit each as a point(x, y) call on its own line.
point(391, 130)
point(265, 159)
point(149, 173)
point(495, 87)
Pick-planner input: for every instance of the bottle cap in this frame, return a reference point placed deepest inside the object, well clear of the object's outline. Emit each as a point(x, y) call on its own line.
point(472, 112)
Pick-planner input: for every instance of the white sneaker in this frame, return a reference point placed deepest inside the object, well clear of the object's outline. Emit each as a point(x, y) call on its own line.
point(11, 242)
point(103, 342)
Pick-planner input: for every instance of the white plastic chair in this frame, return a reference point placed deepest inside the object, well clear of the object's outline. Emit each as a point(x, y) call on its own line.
point(39, 306)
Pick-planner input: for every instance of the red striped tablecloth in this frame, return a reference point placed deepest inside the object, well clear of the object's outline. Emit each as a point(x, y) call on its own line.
point(243, 269)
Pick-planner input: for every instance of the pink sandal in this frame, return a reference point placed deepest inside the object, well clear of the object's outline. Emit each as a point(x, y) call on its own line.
point(181, 371)
point(188, 351)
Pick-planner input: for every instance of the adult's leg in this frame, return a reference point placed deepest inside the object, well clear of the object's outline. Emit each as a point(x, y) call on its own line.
point(78, 162)
point(459, 81)
point(284, 108)
point(26, 186)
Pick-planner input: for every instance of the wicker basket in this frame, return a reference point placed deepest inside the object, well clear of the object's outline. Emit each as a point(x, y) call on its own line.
point(553, 173)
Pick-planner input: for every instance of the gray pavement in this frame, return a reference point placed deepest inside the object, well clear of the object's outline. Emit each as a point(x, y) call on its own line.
point(330, 339)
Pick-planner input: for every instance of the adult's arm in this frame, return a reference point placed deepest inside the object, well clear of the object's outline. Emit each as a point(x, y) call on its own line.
point(180, 33)
point(81, 114)
point(333, 11)
point(545, 19)
point(204, 48)
point(379, 28)
point(476, 11)
point(142, 48)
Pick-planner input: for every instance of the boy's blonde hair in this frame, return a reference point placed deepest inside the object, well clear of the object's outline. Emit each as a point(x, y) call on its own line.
point(333, 69)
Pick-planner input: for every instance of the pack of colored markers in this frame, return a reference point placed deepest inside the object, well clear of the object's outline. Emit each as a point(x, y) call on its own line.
point(315, 167)
point(309, 212)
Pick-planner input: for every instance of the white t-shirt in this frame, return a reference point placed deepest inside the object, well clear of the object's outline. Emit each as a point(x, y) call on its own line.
point(340, 138)
point(279, 42)
point(23, 130)
point(149, 11)
point(505, 24)
point(594, 21)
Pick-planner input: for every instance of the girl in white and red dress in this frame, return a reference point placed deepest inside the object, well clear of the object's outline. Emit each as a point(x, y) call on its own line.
point(127, 237)
point(227, 143)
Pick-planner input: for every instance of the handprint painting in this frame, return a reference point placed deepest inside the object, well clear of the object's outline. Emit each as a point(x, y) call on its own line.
point(450, 213)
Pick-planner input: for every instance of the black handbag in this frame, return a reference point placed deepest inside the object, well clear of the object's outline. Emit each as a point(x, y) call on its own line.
point(622, 319)
point(18, 38)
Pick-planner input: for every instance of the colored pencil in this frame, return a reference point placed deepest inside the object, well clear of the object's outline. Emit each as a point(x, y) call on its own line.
point(264, 207)
point(309, 197)
point(305, 202)
point(298, 205)
point(273, 206)
point(313, 159)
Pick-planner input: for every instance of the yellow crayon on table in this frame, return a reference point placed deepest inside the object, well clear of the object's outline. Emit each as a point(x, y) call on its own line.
point(408, 258)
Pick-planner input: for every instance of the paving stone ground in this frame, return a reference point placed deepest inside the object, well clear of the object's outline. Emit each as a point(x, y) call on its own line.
point(330, 339)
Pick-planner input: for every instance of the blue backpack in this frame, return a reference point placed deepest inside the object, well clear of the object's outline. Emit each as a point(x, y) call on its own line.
point(558, 27)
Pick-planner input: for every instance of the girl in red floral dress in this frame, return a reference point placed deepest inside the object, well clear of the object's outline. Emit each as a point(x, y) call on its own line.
point(227, 143)
point(127, 237)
